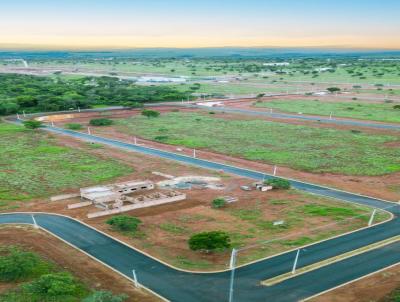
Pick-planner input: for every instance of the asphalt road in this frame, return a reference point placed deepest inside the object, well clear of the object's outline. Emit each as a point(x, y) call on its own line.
point(325, 120)
point(181, 286)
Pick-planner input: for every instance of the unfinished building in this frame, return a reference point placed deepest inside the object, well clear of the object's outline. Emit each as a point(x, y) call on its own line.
point(113, 199)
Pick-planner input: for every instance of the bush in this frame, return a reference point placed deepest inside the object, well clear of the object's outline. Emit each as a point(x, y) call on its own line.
point(278, 183)
point(54, 285)
point(396, 107)
point(16, 264)
point(124, 223)
point(101, 122)
point(33, 124)
point(210, 241)
point(74, 126)
point(150, 113)
point(105, 296)
point(333, 89)
point(218, 203)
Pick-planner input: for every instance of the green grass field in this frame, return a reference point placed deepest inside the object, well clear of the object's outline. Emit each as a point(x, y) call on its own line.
point(32, 165)
point(301, 147)
point(367, 111)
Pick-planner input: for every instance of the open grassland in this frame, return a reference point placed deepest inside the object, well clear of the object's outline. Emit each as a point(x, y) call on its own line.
point(384, 112)
point(301, 147)
point(32, 165)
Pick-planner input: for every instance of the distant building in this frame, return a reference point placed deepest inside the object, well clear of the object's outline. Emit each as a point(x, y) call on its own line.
point(277, 64)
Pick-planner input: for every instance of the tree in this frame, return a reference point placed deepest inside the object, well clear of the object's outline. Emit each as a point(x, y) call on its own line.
point(218, 203)
point(333, 89)
point(396, 107)
point(32, 124)
point(150, 113)
point(55, 285)
point(278, 183)
point(209, 241)
point(124, 223)
point(100, 122)
point(16, 264)
point(105, 296)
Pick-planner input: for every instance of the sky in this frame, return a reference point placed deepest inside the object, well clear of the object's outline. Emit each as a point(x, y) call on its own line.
point(116, 24)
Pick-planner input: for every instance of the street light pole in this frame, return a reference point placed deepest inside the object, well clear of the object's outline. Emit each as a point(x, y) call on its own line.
point(232, 265)
point(295, 262)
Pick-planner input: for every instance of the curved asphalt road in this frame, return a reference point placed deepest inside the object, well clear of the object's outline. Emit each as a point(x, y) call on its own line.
point(182, 286)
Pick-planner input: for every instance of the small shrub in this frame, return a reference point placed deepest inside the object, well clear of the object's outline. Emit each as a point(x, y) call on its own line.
point(105, 296)
point(355, 131)
point(396, 107)
point(278, 183)
point(54, 285)
point(101, 122)
point(74, 126)
point(16, 264)
point(124, 223)
point(218, 203)
point(161, 138)
point(150, 113)
point(210, 241)
point(33, 124)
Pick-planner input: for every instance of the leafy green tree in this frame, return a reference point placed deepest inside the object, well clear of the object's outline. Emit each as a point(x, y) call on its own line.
point(16, 264)
point(150, 113)
point(33, 124)
point(124, 223)
point(209, 241)
point(54, 285)
point(105, 296)
point(100, 122)
point(218, 203)
point(333, 89)
point(278, 183)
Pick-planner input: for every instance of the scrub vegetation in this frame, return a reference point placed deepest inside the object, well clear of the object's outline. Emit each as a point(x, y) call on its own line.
point(306, 148)
point(33, 165)
point(384, 112)
point(31, 278)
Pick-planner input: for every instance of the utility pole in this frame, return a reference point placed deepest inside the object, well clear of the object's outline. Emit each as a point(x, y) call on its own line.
point(88, 131)
point(52, 124)
point(295, 262)
point(275, 170)
point(79, 109)
point(134, 140)
point(371, 220)
point(18, 116)
point(194, 153)
point(330, 116)
point(232, 265)
point(135, 278)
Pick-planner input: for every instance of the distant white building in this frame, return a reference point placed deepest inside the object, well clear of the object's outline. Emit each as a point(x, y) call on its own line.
point(277, 64)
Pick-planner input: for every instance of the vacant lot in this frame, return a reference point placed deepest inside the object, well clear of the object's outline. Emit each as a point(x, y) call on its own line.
point(250, 221)
point(58, 256)
point(32, 165)
point(301, 147)
point(368, 111)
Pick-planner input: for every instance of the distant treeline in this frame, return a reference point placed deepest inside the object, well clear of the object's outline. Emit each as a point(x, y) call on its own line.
point(55, 93)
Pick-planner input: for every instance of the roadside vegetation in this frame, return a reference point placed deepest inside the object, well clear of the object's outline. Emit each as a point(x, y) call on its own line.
point(33, 165)
point(384, 112)
point(40, 94)
point(31, 278)
point(307, 148)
